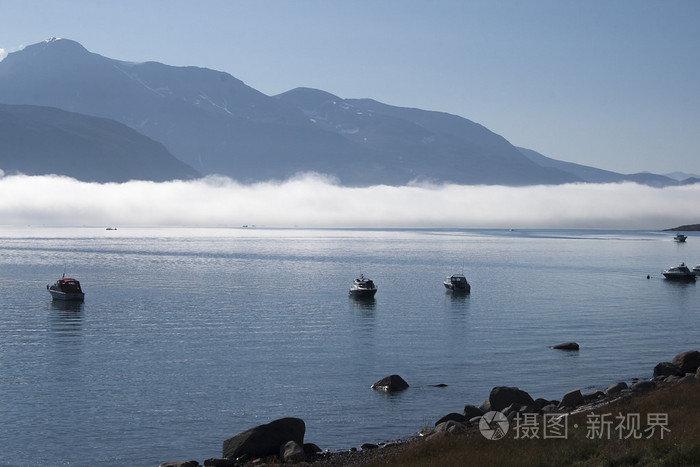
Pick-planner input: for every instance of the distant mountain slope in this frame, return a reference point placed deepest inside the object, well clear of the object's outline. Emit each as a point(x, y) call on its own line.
point(593, 175)
point(423, 144)
point(45, 140)
point(216, 124)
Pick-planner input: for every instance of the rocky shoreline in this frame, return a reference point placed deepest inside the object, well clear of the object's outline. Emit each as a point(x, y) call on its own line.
point(282, 440)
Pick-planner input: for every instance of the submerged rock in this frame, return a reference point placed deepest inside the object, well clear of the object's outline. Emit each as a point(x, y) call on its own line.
point(566, 346)
point(390, 383)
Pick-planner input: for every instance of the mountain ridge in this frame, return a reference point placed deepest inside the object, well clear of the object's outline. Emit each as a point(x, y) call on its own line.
point(46, 140)
point(217, 124)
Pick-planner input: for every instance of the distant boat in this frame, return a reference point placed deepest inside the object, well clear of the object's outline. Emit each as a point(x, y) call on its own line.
point(66, 289)
point(696, 269)
point(679, 273)
point(680, 238)
point(111, 228)
point(457, 283)
point(363, 288)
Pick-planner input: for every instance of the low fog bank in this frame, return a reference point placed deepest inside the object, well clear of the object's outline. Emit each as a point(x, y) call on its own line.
point(312, 200)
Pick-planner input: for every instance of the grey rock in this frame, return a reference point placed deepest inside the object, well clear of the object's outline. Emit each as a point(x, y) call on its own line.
point(366, 446)
point(390, 383)
point(539, 402)
point(502, 396)
point(265, 440)
point(573, 398)
point(485, 406)
point(291, 452)
point(475, 420)
point(512, 408)
point(667, 369)
point(451, 426)
point(688, 378)
point(180, 464)
point(471, 411)
point(641, 386)
point(550, 408)
point(516, 409)
point(615, 388)
point(688, 362)
point(593, 396)
point(220, 462)
point(311, 448)
point(566, 346)
point(457, 417)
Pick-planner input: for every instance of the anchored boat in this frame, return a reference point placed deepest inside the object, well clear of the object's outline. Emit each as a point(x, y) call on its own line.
point(66, 289)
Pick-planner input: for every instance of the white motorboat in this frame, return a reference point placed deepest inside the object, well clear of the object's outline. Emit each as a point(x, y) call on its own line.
point(66, 289)
point(680, 238)
point(457, 283)
point(679, 273)
point(696, 269)
point(363, 288)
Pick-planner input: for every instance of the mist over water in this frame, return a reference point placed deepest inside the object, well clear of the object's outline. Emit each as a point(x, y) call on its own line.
point(313, 200)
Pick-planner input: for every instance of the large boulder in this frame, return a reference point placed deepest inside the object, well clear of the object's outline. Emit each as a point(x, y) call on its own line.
point(470, 412)
point(664, 369)
point(572, 399)
point(615, 389)
point(688, 362)
point(390, 383)
point(503, 396)
point(265, 440)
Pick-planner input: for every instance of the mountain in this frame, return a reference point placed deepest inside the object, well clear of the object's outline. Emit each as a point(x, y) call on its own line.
point(423, 145)
point(682, 176)
point(593, 175)
point(217, 124)
point(45, 140)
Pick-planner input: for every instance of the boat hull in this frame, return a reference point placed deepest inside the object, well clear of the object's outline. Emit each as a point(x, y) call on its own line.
point(363, 293)
point(67, 297)
point(678, 276)
point(457, 288)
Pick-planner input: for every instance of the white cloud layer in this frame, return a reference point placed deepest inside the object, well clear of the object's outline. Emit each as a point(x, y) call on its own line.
point(313, 200)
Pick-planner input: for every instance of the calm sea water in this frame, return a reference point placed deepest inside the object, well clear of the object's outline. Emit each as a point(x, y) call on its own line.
point(189, 336)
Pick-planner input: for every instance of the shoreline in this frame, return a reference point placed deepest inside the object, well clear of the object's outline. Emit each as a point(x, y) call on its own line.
point(511, 402)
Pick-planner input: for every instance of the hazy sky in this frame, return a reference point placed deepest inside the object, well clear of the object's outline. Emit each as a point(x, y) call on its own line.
point(610, 83)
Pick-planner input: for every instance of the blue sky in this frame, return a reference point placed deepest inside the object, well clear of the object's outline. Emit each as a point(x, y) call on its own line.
point(612, 84)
